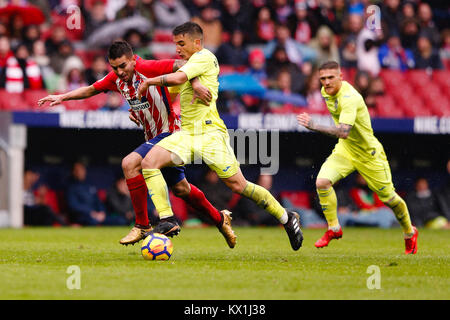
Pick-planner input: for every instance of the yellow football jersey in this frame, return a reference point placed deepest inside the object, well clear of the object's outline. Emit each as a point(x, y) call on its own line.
point(348, 107)
point(196, 117)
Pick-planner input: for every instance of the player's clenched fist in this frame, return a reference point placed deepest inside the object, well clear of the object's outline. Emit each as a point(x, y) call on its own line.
point(53, 99)
point(305, 120)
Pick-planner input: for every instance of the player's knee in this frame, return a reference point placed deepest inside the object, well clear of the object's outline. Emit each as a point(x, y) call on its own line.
point(130, 166)
point(323, 184)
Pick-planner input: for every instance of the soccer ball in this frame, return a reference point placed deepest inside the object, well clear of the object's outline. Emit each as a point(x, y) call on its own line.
point(157, 247)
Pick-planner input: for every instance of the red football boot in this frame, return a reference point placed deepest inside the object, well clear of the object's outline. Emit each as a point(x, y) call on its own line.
point(411, 243)
point(327, 237)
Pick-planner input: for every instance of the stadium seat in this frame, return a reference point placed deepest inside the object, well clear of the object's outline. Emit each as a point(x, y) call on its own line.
point(32, 96)
point(13, 101)
point(226, 69)
point(418, 78)
point(414, 106)
point(161, 35)
point(96, 102)
point(297, 199)
point(386, 107)
point(392, 77)
point(442, 78)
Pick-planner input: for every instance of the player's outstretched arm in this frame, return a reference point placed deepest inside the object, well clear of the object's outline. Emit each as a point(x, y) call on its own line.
point(77, 94)
point(167, 80)
point(341, 131)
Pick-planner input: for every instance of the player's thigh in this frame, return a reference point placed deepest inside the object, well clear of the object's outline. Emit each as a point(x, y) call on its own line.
point(179, 144)
point(336, 167)
point(215, 150)
point(377, 174)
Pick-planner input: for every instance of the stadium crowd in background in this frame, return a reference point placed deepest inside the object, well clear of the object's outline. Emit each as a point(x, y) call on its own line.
point(61, 51)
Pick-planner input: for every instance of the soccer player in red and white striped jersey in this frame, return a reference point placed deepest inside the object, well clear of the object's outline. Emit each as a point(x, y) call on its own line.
point(155, 113)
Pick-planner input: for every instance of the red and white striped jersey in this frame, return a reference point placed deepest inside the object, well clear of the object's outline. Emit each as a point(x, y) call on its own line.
point(154, 110)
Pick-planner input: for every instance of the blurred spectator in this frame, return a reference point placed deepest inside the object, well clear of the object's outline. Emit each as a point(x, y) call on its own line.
point(209, 21)
point(59, 57)
point(302, 23)
point(42, 59)
point(280, 61)
point(296, 52)
point(347, 53)
point(393, 56)
point(444, 51)
point(15, 29)
point(195, 7)
point(84, 205)
point(409, 33)
point(31, 34)
point(236, 14)
point(115, 102)
point(264, 26)
point(257, 66)
point(170, 13)
point(367, 43)
point(443, 195)
point(118, 202)
point(325, 46)
point(215, 190)
point(376, 88)
point(57, 37)
point(128, 10)
point(426, 56)
point(283, 10)
point(427, 26)
point(37, 209)
point(95, 17)
point(21, 72)
point(423, 206)
point(316, 103)
point(371, 211)
point(5, 51)
point(408, 10)
point(353, 25)
point(72, 76)
point(233, 52)
point(139, 43)
point(284, 84)
point(391, 14)
point(362, 83)
point(98, 69)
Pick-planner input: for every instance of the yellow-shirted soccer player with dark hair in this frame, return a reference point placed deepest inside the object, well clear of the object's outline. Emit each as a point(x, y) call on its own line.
point(203, 135)
point(358, 149)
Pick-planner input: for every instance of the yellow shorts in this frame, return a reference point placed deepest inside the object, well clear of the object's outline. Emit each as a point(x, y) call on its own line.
point(375, 171)
point(213, 148)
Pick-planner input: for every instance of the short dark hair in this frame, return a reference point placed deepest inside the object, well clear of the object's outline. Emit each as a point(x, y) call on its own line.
point(329, 65)
point(119, 48)
point(191, 28)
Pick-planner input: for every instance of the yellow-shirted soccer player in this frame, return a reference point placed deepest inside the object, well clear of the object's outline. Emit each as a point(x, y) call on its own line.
point(358, 149)
point(203, 134)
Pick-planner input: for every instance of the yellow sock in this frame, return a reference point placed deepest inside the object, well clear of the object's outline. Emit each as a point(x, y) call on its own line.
point(157, 189)
point(264, 200)
point(398, 205)
point(328, 201)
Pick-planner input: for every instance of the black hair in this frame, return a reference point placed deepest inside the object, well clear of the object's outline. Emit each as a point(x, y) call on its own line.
point(119, 48)
point(191, 28)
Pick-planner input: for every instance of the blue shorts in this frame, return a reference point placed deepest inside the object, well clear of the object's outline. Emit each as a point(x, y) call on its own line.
point(172, 175)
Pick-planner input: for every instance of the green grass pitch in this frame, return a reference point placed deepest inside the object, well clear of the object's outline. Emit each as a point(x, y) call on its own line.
point(34, 264)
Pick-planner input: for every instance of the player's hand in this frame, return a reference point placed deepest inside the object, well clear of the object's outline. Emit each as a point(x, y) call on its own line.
point(201, 92)
point(143, 87)
point(53, 99)
point(304, 119)
point(133, 118)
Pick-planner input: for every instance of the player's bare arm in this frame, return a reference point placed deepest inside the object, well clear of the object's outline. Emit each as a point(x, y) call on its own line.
point(77, 94)
point(178, 64)
point(341, 131)
point(175, 79)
